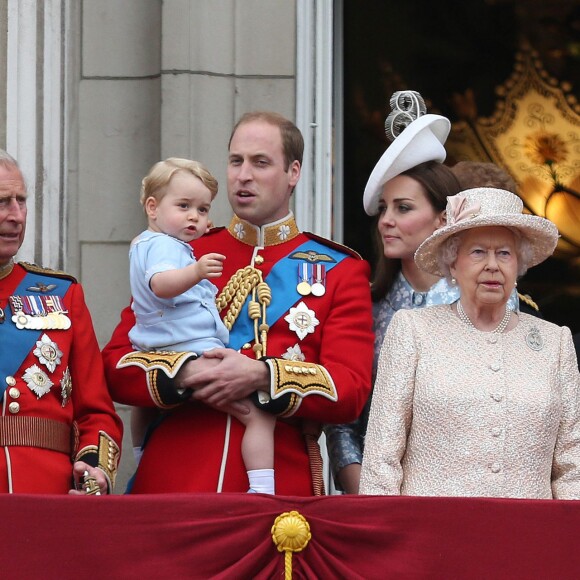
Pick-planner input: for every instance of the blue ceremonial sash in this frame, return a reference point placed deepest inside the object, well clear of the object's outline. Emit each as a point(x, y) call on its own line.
point(282, 281)
point(16, 343)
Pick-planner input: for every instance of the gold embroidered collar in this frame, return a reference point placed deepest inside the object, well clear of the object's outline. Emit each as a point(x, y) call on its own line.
point(268, 235)
point(6, 269)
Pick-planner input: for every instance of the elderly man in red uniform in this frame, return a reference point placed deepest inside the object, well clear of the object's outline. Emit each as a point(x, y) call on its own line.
point(299, 312)
point(58, 427)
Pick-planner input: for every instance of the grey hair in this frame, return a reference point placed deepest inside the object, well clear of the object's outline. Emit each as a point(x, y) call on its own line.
point(447, 254)
point(448, 250)
point(6, 159)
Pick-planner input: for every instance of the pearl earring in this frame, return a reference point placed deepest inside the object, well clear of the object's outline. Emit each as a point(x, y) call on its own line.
point(453, 281)
point(516, 284)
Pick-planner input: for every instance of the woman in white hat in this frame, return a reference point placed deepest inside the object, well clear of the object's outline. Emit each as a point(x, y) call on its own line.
point(473, 399)
point(407, 191)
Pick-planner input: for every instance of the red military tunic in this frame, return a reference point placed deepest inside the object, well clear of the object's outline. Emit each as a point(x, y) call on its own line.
point(197, 449)
point(56, 408)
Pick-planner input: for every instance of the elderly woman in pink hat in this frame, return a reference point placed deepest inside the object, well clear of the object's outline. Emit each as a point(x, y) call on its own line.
point(474, 398)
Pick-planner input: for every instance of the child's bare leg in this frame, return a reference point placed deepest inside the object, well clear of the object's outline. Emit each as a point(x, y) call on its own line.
point(258, 448)
point(258, 440)
point(141, 418)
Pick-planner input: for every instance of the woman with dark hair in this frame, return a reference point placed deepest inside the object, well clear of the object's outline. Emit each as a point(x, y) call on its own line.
point(418, 192)
point(407, 191)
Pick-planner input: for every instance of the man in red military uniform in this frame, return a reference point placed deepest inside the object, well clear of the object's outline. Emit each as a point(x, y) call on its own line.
point(299, 312)
point(58, 425)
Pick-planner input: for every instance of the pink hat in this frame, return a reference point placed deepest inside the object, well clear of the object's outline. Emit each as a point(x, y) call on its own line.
point(486, 206)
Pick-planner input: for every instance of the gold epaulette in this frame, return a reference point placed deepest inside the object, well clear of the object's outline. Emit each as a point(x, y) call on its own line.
point(334, 245)
point(35, 269)
point(528, 300)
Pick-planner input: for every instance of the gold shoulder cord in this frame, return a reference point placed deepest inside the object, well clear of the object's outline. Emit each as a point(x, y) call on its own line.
point(528, 300)
point(234, 294)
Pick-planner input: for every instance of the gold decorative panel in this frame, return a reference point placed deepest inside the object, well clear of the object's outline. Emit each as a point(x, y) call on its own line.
point(534, 134)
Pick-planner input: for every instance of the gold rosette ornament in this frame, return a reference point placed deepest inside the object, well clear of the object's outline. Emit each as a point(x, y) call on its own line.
point(290, 533)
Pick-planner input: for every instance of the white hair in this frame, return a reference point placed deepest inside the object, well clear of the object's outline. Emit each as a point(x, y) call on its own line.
point(6, 159)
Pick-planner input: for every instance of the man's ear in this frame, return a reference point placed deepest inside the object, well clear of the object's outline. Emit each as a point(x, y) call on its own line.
point(294, 173)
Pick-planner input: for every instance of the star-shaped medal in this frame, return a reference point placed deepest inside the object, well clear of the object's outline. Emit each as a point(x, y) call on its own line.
point(47, 352)
point(37, 381)
point(302, 320)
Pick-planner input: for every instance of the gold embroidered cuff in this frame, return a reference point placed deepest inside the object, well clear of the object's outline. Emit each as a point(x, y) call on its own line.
point(168, 362)
point(300, 379)
point(293, 405)
point(109, 454)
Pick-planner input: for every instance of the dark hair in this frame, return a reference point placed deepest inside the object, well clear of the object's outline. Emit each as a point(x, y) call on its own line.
point(292, 140)
point(482, 174)
point(439, 182)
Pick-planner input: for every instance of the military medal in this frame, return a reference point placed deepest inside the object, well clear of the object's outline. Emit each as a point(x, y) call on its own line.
point(302, 320)
point(303, 288)
point(65, 387)
point(294, 353)
point(20, 319)
point(37, 381)
point(319, 286)
point(534, 339)
point(39, 313)
point(47, 353)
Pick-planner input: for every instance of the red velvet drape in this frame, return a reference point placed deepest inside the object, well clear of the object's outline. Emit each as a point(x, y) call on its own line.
point(229, 536)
